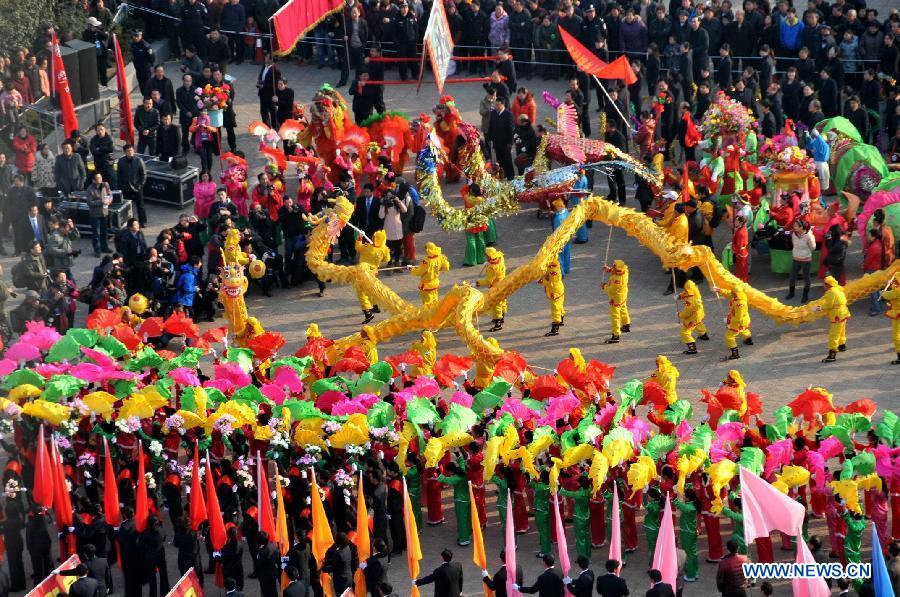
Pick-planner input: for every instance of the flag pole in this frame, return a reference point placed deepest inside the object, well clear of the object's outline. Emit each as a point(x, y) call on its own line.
point(346, 41)
point(599, 84)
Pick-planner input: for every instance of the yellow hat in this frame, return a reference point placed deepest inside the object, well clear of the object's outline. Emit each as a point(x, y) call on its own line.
point(830, 282)
point(493, 255)
point(312, 331)
point(735, 377)
point(379, 238)
point(432, 250)
point(138, 303)
point(257, 269)
point(619, 264)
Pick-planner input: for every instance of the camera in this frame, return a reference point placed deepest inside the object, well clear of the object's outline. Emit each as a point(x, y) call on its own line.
point(75, 253)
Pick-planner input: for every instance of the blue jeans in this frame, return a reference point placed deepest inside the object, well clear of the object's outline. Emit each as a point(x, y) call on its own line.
point(323, 48)
point(876, 305)
point(99, 236)
point(294, 248)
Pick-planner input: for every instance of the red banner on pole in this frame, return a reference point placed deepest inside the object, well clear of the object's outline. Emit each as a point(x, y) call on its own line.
point(55, 584)
point(188, 586)
point(297, 18)
point(126, 124)
point(61, 85)
point(587, 61)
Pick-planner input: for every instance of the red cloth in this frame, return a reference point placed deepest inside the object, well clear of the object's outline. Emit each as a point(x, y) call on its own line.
point(872, 258)
point(434, 508)
point(598, 521)
point(63, 93)
point(528, 108)
point(271, 202)
point(126, 122)
point(629, 514)
point(739, 247)
point(764, 552)
point(297, 18)
point(24, 148)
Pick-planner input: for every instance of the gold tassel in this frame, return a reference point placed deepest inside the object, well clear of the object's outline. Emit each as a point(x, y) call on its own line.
point(602, 123)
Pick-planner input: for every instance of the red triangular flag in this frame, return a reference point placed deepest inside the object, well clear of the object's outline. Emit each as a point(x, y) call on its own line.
point(581, 55)
point(141, 502)
point(111, 508)
point(61, 87)
point(692, 136)
point(685, 185)
point(264, 500)
point(43, 474)
point(126, 123)
point(217, 534)
point(198, 504)
point(62, 500)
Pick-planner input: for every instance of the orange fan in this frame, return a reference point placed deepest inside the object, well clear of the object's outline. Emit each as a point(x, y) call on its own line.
point(275, 155)
point(127, 336)
point(809, 403)
point(258, 128)
point(290, 128)
point(655, 396)
point(166, 354)
point(266, 345)
point(546, 386)
point(511, 366)
point(354, 360)
point(865, 406)
point(151, 328)
point(407, 358)
point(315, 348)
point(179, 325)
point(232, 158)
point(449, 367)
point(215, 335)
point(354, 141)
point(103, 319)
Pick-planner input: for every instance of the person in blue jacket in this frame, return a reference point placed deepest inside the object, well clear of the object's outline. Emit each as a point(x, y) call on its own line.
point(186, 287)
point(580, 192)
point(560, 214)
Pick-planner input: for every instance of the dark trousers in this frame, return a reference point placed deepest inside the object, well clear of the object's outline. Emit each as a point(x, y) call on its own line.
point(137, 200)
point(205, 151)
point(146, 144)
point(356, 58)
point(294, 248)
point(617, 186)
point(268, 587)
point(185, 137)
point(797, 267)
point(99, 234)
point(236, 45)
point(347, 244)
point(680, 278)
point(396, 249)
point(159, 585)
point(522, 60)
point(504, 160)
point(407, 51)
point(232, 138)
point(268, 113)
point(41, 566)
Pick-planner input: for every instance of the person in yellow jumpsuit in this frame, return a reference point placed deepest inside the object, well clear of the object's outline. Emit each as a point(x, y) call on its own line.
point(737, 323)
point(426, 347)
point(495, 271)
point(616, 288)
point(692, 317)
point(892, 296)
point(666, 375)
point(369, 343)
point(556, 294)
point(371, 256)
point(484, 373)
point(835, 306)
point(429, 273)
point(734, 381)
point(678, 235)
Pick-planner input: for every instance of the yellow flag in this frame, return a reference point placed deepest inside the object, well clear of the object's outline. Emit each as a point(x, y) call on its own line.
point(363, 549)
point(322, 538)
point(478, 555)
point(281, 528)
point(413, 550)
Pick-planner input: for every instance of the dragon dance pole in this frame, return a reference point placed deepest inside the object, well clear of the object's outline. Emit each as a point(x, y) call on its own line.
point(625, 120)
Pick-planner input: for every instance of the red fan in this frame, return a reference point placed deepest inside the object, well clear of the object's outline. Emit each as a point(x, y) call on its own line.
point(258, 128)
point(127, 336)
point(315, 348)
point(718, 403)
point(166, 354)
point(179, 325)
point(151, 328)
point(103, 319)
point(290, 128)
point(266, 345)
point(215, 335)
point(275, 155)
point(655, 396)
point(233, 159)
point(510, 366)
point(809, 403)
point(546, 386)
point(449, 367)
point(408, 358)
point(354, 360)
point(865, 406)
point(754, 404)
point(202, 344)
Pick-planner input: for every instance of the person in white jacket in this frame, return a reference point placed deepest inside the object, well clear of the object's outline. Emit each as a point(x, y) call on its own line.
point(803, 245)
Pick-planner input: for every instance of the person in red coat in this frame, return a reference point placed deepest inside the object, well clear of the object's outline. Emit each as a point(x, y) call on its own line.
point(24, 144)
point(475, 475)
point(267, 195)
point(740, 248)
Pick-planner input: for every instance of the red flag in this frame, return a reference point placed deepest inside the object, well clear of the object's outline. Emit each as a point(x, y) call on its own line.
point(685, 184)
point(692, 137)
point(198, 504)
point(62, 504)
point(264, 500)
point(619, 68)
point(61, 87)
point(217, 534)
point(141, 501)
point(297, 18)
point(111, 509)
point(43, 474)
point(583, 57)
point(126, 124)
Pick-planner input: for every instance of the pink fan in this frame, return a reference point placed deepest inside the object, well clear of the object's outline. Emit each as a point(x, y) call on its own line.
point(184, 377)
point(50, 369)
point(22, 351)
point(223, 385)
point(101, 358)
point(461, 398)
point(400, 400)
point(327, 400)
point(7, 366)
point(730, 432)
point(560, 407)
point(816, 465)
point(717, 453)
point(40, 335)
point(830, 447)
point(605, 416)
point(883, 465)
point(89, 372)
point(518, 410)
point(425, 387)
point(273, 392)
point(287, 378)
point(778, 454)
point(367, 400)
point(348, 407)
point(683, 431)
point(233, 373)
point(638, 428)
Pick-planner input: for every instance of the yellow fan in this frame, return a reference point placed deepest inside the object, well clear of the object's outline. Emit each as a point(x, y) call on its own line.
point(869, 482)
point(434, 451)
point(491, 452)
point(26, 391)
point(100, 403)
point(136, 406)
point(191, 420)
point(262, 432)
point(848, 489)
point(599, 470)
point(576, 454)
point(47, 411)
point(721, 473)
point(152, 396)
point(617, 451)
point(640, 473)
point(307, 437)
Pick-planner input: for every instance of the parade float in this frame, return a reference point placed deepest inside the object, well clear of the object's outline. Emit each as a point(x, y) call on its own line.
point(728, 148)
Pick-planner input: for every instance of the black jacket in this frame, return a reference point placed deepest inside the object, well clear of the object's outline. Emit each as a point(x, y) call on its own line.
point(130, 174)
point(661, 589)
point(232, 561)
point(368, 221)
point(498, 583)
point(447, 579)
point(340, 562)
point(583, 584)
point(376, 573)
point(168, 141)
point(146, 120)
point(102, 149)
point(164, 86)
point(187, 105)
point(610, 585)
point(500, 129)
point(297, 588)
point(548, 584)
point(267, 84)
point(98, 569)
point(84, 587)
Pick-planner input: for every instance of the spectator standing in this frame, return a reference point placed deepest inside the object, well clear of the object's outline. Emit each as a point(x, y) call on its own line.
point(96, 34)
point(500, 135)
point(476, 27)
point(142, 57)
point(60, 255)
point(102, 149)
point(130, 178)
point(216, 51)
point(6, 181)
point(22, 205)
point(498, 34)
point(160, 82)
point(521, 36)
point(146, 122)
point(232, 23)
point(42, 175)
point(730, 580)
point(69, 171)
point(24, 144)
point(802, 248)
point(193, 21)
point(392, 212)
point(188, 284)
point(406, 34)
point(266, 86)
point(168, 140)
point(204, 139)
point(99, 198)
point(284, 102)
point(634, 37)
point(358, 38)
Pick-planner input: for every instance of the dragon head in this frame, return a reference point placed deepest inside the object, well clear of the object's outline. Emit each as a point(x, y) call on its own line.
point(233, 281)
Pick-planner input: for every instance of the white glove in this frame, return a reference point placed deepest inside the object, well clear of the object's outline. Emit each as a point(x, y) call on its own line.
point(217, 554)
point(413, 582)
point(484, 574)
point(71, 529)
point(362, 565)
point(284, 566)
point(567, 579)
point(515, 587)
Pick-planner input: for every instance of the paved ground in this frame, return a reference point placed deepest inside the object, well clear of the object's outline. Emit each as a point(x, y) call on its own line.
point(783, 362)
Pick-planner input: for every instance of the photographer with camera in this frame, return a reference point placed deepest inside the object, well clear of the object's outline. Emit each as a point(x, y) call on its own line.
point(265, 194)
point(393, 209)
point(31, 271)
point(69, 170)
point(60, 298)
point(161, 270)
point(60, 253)
point(31, 309)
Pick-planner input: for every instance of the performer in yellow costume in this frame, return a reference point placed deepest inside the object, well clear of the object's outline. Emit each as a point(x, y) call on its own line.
point(556, 293)
point(735, 381)
point(495, 271)
point(692, 317)
point(484, 373)
point(426, 347)
point(372, 256)
point(369, 343)
point(429, 272)
point(738, 320)
point(616, 288)
point(892, 296)
point(835, 307)
point(666, 375)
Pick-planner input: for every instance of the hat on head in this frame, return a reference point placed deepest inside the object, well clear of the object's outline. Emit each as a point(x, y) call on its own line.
point(93, 22)
point(590, 8)
point(32, 294)
point(137, 32)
